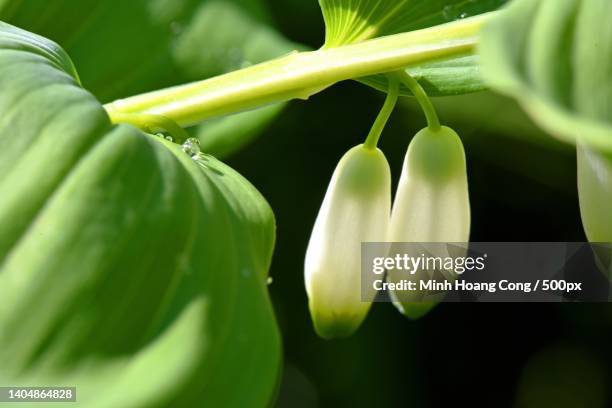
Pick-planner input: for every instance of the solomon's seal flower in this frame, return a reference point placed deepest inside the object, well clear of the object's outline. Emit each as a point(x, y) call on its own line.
point(432, 202)
point(356, 209)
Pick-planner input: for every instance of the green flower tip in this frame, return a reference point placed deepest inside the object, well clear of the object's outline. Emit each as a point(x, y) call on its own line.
point(330, 325)
point(355, 209)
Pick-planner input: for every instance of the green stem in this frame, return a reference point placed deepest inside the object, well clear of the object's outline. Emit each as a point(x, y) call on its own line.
point(385, 113)
point(419, 93)
point(151, 124)
point(302, 74)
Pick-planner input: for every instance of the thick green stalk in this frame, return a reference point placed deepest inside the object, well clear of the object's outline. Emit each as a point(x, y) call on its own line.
point(302, 74)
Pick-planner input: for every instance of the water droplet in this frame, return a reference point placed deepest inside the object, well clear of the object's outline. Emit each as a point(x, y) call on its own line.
point(463, 15)
point(270, 280)
point(160, 135)
point(200, 160)
point(204, 161)
point(169, 138)
point(192, 147)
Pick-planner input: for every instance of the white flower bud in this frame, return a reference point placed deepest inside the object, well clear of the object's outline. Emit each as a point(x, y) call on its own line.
point(432, 203)
point(356, 209)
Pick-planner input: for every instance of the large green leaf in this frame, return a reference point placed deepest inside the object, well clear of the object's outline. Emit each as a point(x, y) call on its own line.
point(555, 58)
point(123, 48)
point(128, 268)
point(128, 47)
point(352, 21)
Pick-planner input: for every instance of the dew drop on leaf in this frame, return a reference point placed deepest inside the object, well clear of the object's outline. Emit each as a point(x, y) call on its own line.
point(269, 280)
point(169, 138)
point(192, 147)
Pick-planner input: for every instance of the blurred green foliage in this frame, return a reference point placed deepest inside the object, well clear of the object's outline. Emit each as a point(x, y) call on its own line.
point(122, 48)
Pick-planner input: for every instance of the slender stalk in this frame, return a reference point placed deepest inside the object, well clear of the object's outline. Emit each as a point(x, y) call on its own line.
point(419, 93)
point(302, 74)
point(385, 113)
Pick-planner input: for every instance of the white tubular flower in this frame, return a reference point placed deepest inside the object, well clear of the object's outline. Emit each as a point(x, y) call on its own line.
point(432, 201)
point(356, 209)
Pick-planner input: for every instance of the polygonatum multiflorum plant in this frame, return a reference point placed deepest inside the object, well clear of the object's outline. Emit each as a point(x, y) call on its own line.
point(126, 246)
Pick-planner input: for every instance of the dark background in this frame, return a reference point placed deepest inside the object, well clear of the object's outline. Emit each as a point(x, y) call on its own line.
point(522, 188)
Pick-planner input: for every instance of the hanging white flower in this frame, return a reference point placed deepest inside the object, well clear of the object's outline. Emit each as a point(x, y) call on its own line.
point(356, 209)
point(432, 202)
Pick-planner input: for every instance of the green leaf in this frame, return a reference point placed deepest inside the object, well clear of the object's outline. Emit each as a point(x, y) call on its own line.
point(353, 21)
point(448, 77)
point(555, 58)
point(595, 190)
point(124, 48)
point(125, 265)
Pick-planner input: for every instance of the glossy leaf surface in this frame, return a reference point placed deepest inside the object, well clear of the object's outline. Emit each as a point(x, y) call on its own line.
point(125, 265)
point(555, 57)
